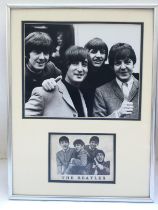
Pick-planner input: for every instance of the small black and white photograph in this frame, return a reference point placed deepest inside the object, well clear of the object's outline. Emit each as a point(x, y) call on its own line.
point(82, 70)
point(87, 158)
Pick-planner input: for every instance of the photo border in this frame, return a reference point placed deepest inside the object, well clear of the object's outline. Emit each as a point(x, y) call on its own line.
point(153, 192)
point(97, 182)
point(83, 22)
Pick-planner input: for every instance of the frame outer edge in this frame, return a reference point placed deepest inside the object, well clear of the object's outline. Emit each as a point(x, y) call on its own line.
point(9, 103)
point(86, 4)
point(154, 128)
point(154, 113)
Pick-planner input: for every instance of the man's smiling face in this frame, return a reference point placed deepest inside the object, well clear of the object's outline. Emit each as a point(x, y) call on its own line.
point(123, 69)
point(77, 72)
point(97, 57)
point(38, 60)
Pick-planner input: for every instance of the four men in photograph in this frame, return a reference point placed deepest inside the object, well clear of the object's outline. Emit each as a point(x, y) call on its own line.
point(89, 87)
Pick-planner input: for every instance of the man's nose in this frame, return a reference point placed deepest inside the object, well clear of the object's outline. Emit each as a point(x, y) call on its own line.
point(98, 53)
point(123, 66)
point(41, 55)
point(79, 67)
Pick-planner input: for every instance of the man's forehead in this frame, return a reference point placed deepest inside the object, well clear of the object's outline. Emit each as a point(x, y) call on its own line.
point(80, 60)
point(97, 48)
point(123, 59)
point(102, 51)
point(64, 141)
point(93, 141)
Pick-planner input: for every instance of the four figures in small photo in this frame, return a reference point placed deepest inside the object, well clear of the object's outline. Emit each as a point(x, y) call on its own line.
point(80, 160)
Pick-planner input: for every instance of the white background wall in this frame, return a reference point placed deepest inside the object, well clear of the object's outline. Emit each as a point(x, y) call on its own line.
point(111, 34)
point(3, 81)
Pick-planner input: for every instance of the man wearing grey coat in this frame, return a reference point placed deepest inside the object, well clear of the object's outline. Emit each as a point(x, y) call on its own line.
point(120, 97)
point(57, 103)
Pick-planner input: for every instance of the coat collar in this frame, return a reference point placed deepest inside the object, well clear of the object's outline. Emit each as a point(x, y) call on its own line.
point(118, 92)
point(134, 89)
point(65, 94)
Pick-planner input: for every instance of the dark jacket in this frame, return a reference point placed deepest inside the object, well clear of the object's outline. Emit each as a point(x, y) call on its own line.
point(93, 80)
point(100, 168)
point(33, 80)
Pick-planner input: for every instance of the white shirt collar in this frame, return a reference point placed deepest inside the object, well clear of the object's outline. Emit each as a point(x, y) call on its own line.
point(130, 83)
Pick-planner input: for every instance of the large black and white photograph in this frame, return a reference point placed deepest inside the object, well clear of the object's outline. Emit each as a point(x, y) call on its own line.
point(82, 70)
point(82, 157)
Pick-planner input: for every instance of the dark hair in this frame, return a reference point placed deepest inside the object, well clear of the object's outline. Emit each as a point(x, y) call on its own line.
point(63, 138)
point(121, 51)
point(94, 138)
point(78, 141)
point(75, 53)
point(97, 44)
point(59, 33)
point(100, 151)
point(38, 41)
point(72, 55)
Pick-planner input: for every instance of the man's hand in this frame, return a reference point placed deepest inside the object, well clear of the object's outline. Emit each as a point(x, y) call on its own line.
point(72, 159)
point(100, 166)
point(50, 84)
point(125, 109)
